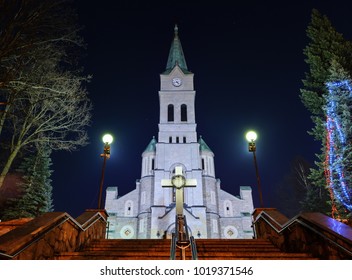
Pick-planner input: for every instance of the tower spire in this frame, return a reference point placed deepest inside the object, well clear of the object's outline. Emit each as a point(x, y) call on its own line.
point(176, 56)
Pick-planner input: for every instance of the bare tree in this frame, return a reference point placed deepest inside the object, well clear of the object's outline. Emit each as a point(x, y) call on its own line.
point(300, 169)
point(292, 189)
point(40, 80)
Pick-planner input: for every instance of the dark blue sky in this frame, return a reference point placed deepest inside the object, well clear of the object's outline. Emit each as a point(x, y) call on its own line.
point(248, 63)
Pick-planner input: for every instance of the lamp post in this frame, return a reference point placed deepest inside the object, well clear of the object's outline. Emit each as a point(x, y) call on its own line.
point(251, 136)
point(107, 140)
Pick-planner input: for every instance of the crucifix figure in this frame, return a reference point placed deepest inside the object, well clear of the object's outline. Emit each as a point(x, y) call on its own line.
point(178, 181)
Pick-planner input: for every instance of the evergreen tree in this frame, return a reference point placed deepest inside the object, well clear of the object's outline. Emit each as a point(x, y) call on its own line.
point(339, 140)
point(326, 45)
point(36, 195)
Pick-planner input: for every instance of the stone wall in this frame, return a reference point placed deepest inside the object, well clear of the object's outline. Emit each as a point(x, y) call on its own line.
point(44, 237)
point(313, 233)
point(12, 224)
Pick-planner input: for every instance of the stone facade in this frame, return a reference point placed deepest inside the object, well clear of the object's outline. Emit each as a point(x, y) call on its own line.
point(148, 211)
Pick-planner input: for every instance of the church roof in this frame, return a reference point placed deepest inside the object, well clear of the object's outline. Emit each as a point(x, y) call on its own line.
point(203, 146)
point(176, 56)
point(151, 146)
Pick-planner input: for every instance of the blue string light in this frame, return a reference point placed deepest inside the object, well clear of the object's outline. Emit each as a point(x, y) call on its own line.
point(336, 146)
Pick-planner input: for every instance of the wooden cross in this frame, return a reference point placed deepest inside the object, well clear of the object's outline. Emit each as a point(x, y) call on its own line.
point(178, 181)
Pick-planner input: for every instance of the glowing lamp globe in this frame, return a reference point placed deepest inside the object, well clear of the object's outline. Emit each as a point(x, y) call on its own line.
point(251, 136)
point(107, 139)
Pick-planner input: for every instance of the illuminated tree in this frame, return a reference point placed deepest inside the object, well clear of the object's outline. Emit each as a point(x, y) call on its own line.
point(325, 45)
point(338, 162)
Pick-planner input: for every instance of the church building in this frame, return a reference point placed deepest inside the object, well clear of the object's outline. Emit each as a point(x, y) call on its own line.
point(149, 210)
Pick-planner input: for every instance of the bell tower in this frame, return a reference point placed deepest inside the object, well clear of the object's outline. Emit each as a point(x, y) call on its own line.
point(177, 96)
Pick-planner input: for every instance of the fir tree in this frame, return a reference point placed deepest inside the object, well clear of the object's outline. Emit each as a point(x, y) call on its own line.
point(36, 195)
point(326, 45)
point(339, 140)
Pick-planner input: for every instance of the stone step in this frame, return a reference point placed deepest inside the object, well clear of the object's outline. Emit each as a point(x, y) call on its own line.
point(251, 254)
point(160, 241)
point(164, 242)
point(159, 249)
point(233, 242)
point(101, 247)
point(112, 255)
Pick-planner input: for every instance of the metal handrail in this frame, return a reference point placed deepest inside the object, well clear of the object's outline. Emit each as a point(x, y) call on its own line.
point(173, 241)
point(194, 248)
point(185, 239)
point(173, 247)
point(192, 241)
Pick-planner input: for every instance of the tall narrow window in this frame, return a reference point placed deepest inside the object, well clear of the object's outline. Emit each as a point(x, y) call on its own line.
point(215, 226)
point(228, 208)
point(170, 139)
point(184, 139)
point(177, 139)
point(183, 113)
point(128, 208)
point(203, 165)
point(152, 164)
point(170, 113)
point(143, 197)
point(212, 197)
point(141, 225)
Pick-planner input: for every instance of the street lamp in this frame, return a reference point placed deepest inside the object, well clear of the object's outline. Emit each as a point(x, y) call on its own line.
point(107, 140)
point(251, 136)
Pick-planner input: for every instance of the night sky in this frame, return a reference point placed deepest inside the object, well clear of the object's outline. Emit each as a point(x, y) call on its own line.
point(248, 65)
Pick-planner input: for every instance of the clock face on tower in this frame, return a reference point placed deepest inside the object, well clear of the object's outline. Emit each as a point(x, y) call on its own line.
point(176, 82)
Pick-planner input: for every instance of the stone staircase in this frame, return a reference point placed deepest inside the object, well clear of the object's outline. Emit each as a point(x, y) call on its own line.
point(159, 249)
point(56, 235)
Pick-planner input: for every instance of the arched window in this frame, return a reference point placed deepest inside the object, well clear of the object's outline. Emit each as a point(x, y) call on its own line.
point(170, 113)
point(183, 113)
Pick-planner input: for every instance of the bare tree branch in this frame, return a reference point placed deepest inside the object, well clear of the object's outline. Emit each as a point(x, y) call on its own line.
point(43, 87)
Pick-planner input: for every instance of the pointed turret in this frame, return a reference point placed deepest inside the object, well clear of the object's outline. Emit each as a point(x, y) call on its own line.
point(148, 157)
point(176, 56)
point(207, 156)
point(151, 146)
point(203, 147)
